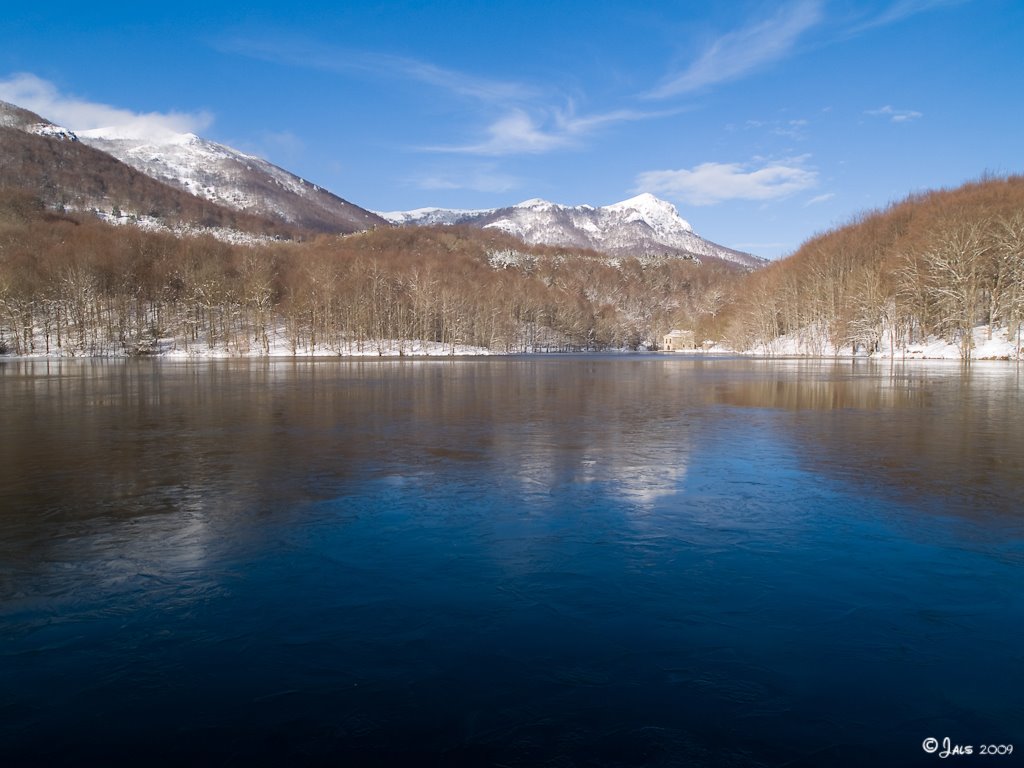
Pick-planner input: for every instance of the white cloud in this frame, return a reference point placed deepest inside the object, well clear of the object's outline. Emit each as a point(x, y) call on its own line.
point(567, 120)
point(517, 132)
point(902, 9)
point(795, 129)
point(711, 183)
point(517, 118)
point(744, 50)
point(43, 97)
point(311, 55)
point(457, 82)
point(895, 115)
point(820, 199)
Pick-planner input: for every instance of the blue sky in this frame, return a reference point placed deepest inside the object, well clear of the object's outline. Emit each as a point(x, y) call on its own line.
point(764, 123)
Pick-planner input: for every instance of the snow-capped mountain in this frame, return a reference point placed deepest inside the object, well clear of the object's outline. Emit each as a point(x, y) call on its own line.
point(232, 178)
point(50, 162)
point(428, 217)
point(12, 116)
point(640, 226)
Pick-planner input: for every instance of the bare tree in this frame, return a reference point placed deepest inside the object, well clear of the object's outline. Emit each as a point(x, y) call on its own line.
point(955, 273)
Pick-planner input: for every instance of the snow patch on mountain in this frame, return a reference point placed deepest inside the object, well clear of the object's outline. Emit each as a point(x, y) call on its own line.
point(642, 226)
point(659, 215)
point(536, 204)
point(204, 168)
point(13, 116)
point(52, 131)
point(122, 218)
point(427, 217)
point(226, 176)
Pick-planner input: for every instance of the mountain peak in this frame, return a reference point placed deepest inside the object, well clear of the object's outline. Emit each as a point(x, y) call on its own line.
point(229, 177)
point(537, 204)
point(659, 215)
point(640, 226)
point(644, 199)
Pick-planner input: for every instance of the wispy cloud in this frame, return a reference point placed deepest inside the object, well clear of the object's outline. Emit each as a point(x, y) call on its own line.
point(816, 200)
point(711, 183)
point(513, 133)
point(895, 115)
point(759, 44)
point(311, 55)
point(517, 117)
point(902, 9)
point(791, 129)
point(740, 52)
point(44, 98)
point(518, 131)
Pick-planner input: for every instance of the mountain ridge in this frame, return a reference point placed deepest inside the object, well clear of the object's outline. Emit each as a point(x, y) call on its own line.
point(641, 225)
point(232, 178)
point(51, 163)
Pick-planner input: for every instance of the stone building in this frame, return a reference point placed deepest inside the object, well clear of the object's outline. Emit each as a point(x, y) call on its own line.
point(676, 340)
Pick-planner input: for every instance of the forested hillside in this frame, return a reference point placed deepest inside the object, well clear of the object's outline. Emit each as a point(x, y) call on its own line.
point(68, 175)
point(73, 285)
point(936, 264)
point(237, 181)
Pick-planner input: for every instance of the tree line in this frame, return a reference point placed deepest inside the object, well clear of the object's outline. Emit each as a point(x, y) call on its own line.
point(935, 264)
point(940, 263)
point(72, 285)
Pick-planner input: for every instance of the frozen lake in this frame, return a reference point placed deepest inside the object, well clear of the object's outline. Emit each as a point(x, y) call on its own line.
point(546, 561)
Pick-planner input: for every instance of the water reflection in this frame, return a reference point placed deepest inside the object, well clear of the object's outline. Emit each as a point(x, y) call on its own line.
point(569, 561)
point(211, 449)
point(802, 386)
point(941, 435)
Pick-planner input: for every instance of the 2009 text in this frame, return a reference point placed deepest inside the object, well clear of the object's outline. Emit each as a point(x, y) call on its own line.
point(947, 748)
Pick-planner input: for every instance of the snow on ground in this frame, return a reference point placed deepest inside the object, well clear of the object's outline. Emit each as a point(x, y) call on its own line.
point(52, 131)
point(433, 216)
point(206, 169)
point(809, 342)
point(280, 346)
point(154, 224)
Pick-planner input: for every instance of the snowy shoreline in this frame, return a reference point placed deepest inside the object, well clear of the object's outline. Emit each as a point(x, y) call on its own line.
point(805, 345)
point(995, 343)
point(926, 353)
